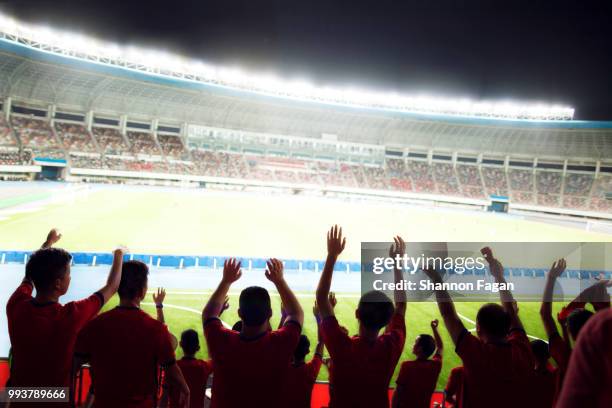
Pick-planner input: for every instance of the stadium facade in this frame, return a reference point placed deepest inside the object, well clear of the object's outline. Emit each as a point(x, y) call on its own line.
point(80, 114)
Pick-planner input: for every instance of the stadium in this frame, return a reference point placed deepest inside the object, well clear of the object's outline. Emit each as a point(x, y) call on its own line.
point(186, 164)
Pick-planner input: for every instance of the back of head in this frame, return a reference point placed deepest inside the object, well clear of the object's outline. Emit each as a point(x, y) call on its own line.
point(237, 326)
point(302, 349)
point(46, 265)
point(134, 276)
point(540, 350)
point(427, 344)
point(375, 310)
point(255, 308)
point(493, 320)
point(190, 343)
point(576, 319)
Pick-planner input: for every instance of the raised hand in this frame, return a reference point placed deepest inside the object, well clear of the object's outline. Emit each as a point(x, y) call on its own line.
point(158, 298)
point(225, 305)
point(557, 268)
point(52, 237)
point(495, 267)
point(397, 248)
point(332, 300)
point(434, 324)
point(433, 275)
point(231, 270)
point(335, 242)
point(274, 272)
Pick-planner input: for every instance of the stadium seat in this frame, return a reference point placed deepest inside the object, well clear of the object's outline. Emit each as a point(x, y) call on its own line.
point(355, 266)
point(585, 275)
point(573, 274)
point(169, 261)
point(82, 258)
point(540, 273)
point(189, 261)
point(291, 265)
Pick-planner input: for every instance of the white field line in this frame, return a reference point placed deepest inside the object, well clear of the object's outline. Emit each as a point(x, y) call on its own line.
point(473, 322)
point(186, 309)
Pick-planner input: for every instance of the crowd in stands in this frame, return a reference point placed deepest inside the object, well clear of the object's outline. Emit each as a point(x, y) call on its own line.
point(495, 181)
point(36, 135)
point(422, 177)
point(75, 137)
point(173, 147)
point(578, 184)
point(110, 141)
point(446, 180)
point(520, 180)
point(13, 157)
point(143, 143)
point(7, 138)
point(132, 354)
point(548, 182)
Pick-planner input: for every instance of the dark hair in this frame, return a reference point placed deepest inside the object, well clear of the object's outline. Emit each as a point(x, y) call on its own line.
point(190, 343)
point(576, 319)
point(427, 344)
point(375, 310)
point(303, 347)
point(254, 305)
point(237, 326)
point(494, 320)
point(46, 265)
point(540, 350)
point(133, 279)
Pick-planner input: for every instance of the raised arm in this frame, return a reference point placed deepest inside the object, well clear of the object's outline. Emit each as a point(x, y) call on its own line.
point(317, 315)
point(453, 323)
point(556, 270)
point(292, 306)
point(52, 237)
point(114, 276)
point(215, 305)
point(335, 246)
point(506, 298)
point(437, 338)
point(158, 299)
point(398, 249)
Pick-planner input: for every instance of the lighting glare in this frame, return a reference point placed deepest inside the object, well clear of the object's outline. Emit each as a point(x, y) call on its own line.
point(167, 64)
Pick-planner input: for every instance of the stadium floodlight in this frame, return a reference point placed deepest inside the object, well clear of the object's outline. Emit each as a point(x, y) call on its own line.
point(164, 63)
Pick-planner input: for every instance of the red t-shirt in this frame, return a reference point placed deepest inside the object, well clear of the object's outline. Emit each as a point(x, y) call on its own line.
point(588, 382)
point(418, 380)
point(196, 373)
point(299, 381)
point(544, 386)
point(496, 373)
point(454, 386)
point(43, 336)
point(125, 347)
point(361, 371)
point(248, 371)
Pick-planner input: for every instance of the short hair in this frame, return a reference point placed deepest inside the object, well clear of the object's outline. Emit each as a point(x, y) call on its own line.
point(302, 348)
point(190, 342)
point(540, 350)
point(494, 320)
point(375, 310)
point(237, 326)
point(134, 275)
point(46, 265)
point(427, 344)
point(576, 319)
point(254, 306)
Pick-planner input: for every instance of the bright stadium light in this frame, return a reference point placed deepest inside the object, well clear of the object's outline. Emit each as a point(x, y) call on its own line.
point(164, 63)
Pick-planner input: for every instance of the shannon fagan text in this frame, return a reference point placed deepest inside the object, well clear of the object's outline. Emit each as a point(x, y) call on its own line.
point(427, 285)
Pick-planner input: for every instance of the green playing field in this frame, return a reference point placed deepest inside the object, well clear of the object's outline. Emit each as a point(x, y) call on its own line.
point(175, 221)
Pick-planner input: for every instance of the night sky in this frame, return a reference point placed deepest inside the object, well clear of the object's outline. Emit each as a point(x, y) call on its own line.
point(534, 51)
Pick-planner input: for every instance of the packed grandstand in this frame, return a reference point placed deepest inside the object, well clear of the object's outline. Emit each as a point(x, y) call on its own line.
point(69, 116)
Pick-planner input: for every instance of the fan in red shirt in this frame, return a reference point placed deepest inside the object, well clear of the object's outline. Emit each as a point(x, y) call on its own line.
point(42, 331)
point(196, 371)
point(499, 362)
point(417, 379)
point(301, 376)
point(363, 364)
point(454, 387)
point(588, 382)
point(571, 318)
point(251, 364)
point(544, 381)
point(126, 347)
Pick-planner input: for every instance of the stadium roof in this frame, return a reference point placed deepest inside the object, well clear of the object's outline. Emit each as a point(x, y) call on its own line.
point(36, 73)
